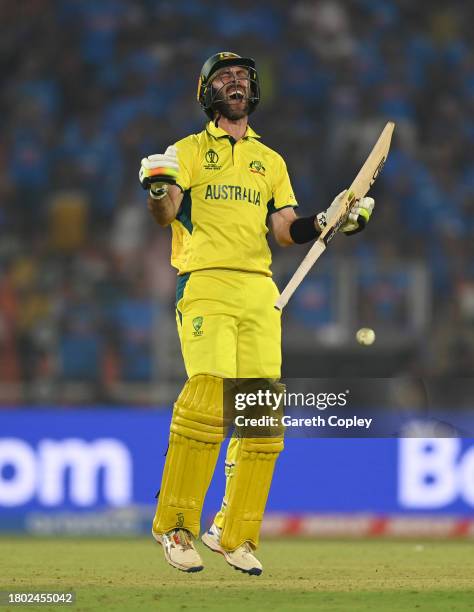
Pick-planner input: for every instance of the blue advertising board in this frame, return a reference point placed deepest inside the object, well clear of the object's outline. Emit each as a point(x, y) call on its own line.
point(97, 459)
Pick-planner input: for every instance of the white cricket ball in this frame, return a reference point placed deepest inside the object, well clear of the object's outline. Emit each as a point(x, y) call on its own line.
point(365, 336)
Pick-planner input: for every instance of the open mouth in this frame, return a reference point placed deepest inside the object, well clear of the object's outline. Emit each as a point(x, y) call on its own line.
point(236, 95)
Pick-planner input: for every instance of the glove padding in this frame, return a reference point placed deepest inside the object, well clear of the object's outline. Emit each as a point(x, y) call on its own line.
point(159, 169)
point(358, 217)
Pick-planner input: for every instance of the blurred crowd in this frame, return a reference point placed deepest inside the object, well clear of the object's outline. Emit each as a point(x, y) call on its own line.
point(89, 88)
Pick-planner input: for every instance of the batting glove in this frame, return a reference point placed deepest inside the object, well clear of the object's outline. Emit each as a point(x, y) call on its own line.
point(158, 171)
point(358, 217)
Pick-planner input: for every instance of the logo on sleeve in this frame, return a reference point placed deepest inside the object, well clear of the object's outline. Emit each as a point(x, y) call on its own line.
point(197, 324)
point(257, 167)
point(212, 159)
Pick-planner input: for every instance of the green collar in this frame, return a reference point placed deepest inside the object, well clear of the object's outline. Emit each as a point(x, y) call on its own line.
point(217, 132)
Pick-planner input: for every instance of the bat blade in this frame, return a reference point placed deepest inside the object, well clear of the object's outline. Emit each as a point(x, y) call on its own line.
point(359, 187)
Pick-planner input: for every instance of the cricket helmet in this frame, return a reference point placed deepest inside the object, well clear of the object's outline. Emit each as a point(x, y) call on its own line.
point(206, 94)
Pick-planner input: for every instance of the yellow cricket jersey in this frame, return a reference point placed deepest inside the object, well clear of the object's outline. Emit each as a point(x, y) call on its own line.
point(229, 188)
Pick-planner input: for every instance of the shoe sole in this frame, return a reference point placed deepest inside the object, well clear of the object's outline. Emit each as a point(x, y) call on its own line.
point(181, 568)
point(253, 571)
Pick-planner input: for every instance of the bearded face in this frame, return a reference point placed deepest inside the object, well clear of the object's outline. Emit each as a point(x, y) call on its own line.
point(231, 92)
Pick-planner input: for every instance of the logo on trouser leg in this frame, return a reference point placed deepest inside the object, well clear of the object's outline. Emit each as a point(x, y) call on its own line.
point(197, 324)
point(180, 520)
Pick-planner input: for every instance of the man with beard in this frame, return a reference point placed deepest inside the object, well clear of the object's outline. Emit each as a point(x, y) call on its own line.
point(220, 190)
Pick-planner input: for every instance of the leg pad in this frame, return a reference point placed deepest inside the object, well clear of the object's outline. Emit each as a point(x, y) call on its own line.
point(248, 490)
point(197, 431)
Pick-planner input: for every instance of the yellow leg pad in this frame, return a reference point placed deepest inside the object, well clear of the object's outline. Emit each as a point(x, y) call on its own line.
point(230, 458)
point(196, 434)
point(248, 490)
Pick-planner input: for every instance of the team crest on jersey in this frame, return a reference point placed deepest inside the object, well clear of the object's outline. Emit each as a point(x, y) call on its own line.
point(212, 159)
point(197, 324)
point(257, 167)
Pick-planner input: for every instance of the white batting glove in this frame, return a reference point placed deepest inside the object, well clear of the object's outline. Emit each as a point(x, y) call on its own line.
point(358, 217)
point(158, 171)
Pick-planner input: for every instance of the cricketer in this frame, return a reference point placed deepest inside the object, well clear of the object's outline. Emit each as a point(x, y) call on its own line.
point(221, 191)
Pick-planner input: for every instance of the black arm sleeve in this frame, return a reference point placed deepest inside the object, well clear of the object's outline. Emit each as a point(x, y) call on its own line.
point(303, 230)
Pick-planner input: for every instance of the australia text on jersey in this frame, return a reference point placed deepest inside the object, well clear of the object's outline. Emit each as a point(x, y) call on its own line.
point(233, 192)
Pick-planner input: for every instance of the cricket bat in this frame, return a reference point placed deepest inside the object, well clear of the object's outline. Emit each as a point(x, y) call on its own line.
point(358, 189)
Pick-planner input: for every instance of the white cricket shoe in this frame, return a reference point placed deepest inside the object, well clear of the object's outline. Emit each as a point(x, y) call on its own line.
point(242, 558)
point(179, 550)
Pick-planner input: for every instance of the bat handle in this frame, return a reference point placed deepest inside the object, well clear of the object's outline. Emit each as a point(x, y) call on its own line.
point(283, 299)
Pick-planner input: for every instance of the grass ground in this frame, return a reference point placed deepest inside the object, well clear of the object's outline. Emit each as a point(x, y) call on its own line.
point(345, 576)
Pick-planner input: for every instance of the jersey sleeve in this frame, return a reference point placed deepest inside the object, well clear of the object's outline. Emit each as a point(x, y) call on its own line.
point(187, 149)
point(283, 195)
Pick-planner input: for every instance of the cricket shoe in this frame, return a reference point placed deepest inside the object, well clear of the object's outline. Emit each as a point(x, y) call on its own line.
point(242, 558)
point(179, 550)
